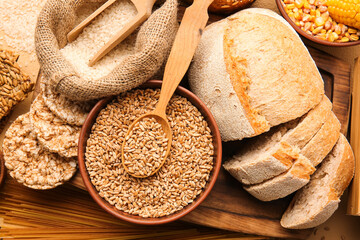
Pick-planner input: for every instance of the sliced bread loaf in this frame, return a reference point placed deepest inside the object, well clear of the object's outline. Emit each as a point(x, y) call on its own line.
point(317, 201)
point(252, 78)
point(284, 184)
point(273, 153)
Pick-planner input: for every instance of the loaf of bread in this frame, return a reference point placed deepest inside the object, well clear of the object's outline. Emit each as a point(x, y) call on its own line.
point(273, 153)
point(253, 72)
point(318, 200)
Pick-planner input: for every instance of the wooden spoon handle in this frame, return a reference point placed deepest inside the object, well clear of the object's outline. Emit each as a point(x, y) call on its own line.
point(186, 41)
point(73, 34)
point(354, 197)
point(120, 36)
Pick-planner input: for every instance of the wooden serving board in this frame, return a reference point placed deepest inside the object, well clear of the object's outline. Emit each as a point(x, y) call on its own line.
point(230, 207)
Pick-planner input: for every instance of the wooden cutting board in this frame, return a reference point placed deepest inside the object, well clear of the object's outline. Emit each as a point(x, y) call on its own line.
point(230, 207)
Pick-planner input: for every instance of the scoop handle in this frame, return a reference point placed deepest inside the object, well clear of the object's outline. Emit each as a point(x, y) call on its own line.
point(354, 194)
point(183, 49)
point(73, 34)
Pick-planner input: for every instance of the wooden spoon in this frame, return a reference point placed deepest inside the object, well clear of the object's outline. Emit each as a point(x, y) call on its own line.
point(186, 41)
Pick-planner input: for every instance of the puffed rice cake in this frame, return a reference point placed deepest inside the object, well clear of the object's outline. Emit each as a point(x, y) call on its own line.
point(29, 163)
point(51, 131)
point(72, 112)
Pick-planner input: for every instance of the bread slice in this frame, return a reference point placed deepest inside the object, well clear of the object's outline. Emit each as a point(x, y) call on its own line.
point(273, 153)
point(284, 184)
point(251, 78)
point(317, 201)
point(263, 157)
point(324, 140)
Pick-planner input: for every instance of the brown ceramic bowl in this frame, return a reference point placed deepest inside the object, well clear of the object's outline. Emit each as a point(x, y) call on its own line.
point(308, 36)
point(2, 169)
point(85, 131)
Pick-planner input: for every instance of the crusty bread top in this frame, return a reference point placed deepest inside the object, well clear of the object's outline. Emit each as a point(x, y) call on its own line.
point(279, 79)
point(251, 78)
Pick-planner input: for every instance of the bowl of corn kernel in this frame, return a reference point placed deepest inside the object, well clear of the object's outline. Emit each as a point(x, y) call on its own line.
point(327, 22)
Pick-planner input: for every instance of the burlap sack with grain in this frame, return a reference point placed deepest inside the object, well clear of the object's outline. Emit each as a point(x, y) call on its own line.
point(153, 43)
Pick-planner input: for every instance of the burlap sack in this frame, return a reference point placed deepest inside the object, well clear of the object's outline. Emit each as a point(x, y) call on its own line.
point(153, 43)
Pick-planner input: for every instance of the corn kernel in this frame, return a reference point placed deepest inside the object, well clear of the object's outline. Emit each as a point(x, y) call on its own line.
point(307, 26)
point(325, 16)
point(299, 3)
point(354, 37)
point(352, 30)
point(321, 36)
point(317, 30)
point(333, 36)
point(290, 6)
point(306, 18)
point(344, 39)
point(328, 25)
point(297, 16)
point(319, 21)
point(312, 12)
point(322, 9)
point(291, 15)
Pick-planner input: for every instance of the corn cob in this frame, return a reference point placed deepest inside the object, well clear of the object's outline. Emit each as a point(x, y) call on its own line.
point(345, 11)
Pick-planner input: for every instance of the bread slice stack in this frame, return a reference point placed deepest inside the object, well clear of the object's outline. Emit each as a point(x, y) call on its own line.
point(276, 170)
point(275, 152)
point(259, 81)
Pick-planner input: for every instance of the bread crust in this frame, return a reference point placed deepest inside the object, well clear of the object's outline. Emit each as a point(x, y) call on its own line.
point(284, 184)
point(339, 180)
point(326, 137)
point(252, 79)
point(281, 157)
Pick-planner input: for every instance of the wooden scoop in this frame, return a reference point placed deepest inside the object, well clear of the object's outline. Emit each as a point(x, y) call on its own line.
point(354, 194)
point(144, 9)
point(186, 41)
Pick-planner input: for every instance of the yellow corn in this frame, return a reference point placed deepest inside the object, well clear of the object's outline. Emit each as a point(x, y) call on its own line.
point(345, 11)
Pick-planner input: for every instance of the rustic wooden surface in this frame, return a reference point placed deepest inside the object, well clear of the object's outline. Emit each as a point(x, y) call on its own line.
point(230, 207)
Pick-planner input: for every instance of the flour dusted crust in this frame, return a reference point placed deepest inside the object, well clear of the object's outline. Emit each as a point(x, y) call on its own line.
point(51, 131)
point(253, 78)
point(72, 112)
point(211, 83)
point(318, 200)
point(29, 163)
